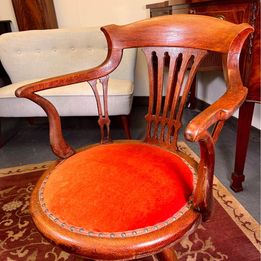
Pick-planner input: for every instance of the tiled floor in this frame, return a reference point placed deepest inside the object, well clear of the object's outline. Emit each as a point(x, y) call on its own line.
point(30, 145)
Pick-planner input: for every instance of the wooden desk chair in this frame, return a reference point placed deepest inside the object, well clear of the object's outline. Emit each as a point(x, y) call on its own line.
point(130, 199)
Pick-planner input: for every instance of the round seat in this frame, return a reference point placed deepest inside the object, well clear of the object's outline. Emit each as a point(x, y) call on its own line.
point(117, 189)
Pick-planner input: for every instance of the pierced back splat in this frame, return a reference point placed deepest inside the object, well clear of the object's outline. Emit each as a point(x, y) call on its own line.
point(103, 121)
point(165, 111)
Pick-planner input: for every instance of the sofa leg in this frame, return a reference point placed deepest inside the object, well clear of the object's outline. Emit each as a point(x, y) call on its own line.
point(125, 120)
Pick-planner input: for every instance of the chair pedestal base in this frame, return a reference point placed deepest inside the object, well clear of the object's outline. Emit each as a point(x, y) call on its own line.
point(165, 255)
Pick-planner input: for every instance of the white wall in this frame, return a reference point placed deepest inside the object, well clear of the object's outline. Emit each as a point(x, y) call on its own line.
point(211, 85)
point(7, 13)
point(72, 13)
point(95, 13)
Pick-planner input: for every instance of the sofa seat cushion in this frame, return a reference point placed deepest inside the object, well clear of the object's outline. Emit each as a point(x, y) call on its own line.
point(118, 187)
point(79, 99)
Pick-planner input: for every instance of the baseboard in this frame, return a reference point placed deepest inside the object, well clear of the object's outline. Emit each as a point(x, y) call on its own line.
point(140, 101)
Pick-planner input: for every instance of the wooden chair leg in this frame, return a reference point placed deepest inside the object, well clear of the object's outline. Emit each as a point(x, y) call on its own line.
point(167, 255)
point(125, 120)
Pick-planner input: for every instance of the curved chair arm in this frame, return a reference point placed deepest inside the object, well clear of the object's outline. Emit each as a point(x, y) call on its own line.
point(197, 130)
point(59, 146)
point(220, 110)
point(203, 197)
point(225, 106)
point(217, 113)
point(110, 64)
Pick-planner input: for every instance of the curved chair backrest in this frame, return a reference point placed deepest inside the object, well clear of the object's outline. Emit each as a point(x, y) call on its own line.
point(179, 41)
point(194, 31)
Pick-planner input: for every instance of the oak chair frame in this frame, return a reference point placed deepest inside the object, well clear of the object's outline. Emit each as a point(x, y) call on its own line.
point(181, 41)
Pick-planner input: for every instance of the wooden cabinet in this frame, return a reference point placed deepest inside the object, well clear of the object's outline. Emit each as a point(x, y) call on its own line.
point(35, 14)
point(236, 11)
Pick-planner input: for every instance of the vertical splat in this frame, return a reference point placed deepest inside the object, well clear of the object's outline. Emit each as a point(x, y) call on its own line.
point(178, 67)
point(104, 121)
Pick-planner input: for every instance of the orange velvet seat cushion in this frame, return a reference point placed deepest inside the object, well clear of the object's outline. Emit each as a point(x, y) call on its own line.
point(118, 187)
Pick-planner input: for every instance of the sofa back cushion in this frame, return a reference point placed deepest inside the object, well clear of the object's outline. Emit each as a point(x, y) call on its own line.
point(46, 53)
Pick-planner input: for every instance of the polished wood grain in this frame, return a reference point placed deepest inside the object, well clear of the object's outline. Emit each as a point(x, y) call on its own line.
point(36, 14)
point(236, 11)
point(104, 121)
point(109, 248)
point(252, 80)
point(245, 111)
point(164, 116)
point(178, 40)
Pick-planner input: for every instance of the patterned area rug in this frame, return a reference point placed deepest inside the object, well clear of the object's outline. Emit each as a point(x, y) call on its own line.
point(231, 234)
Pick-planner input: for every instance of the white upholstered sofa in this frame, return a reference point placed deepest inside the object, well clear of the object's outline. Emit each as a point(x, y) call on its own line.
point(33, 55)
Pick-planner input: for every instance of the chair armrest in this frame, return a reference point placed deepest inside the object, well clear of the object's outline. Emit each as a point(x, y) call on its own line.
point(197, 130)
point(220, 110)
point(59, 146)
point(86, 75)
